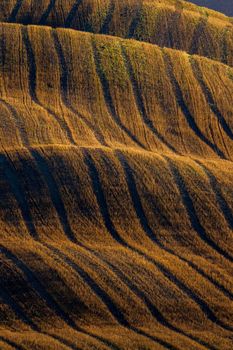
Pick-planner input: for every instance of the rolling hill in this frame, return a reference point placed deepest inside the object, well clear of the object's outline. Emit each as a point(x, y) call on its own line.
point(116, 176)
point(168, 23)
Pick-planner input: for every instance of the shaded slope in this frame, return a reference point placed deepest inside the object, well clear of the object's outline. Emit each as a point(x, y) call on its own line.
point(169, 23)
point(148, 238)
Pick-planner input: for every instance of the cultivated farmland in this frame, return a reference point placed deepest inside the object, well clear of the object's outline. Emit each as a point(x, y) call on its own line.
point(116, 175)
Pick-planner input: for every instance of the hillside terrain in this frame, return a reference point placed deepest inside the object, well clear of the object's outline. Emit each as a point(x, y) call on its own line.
point(168, 23)
point(116, 176)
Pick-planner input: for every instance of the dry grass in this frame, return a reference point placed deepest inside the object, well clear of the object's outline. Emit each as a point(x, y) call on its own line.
point(170, 23)
point(116, 210)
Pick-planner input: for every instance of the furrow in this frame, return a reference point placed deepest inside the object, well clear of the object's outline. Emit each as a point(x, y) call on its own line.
point(141, 215)
point(142, 296)
point(216, 187)
point(199, 30)
point(64, 89)
point(185, 109)
point(63, 341)
point(12, 178)
point(209, 97)
point(35, 283)
point(224, 56)
point(105, 27)
point(140, 104)
point(13, 15)
point(94, 336)
point(100, 197)
point(16, 308)
point(18, 123)
point(72, 13)
point(135, 19)
point(47, 12)
point(14, 345)
point(192, 214)
point(32, 86)
point(101, 200)
point(108, 301)
point(54, 194)
point(108, 98)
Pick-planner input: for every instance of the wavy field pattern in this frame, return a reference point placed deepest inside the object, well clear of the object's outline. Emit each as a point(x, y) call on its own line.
point(116, 175)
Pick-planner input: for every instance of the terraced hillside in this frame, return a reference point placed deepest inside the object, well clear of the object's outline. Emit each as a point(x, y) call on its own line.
point(116, 174)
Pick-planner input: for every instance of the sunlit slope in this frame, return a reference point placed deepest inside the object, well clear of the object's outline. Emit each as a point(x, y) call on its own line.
point(65, 87)
point(177, 24)
point(124, 262)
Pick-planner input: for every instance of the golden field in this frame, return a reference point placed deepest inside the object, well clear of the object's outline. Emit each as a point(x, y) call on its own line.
point(116, 174)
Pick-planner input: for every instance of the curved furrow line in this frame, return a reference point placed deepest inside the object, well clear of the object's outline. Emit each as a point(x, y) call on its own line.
point(185, 109)
point(46, 13)
point(202, 273)
point(63, 341)
point(14, 345)
point(105, 27)
point(194, 266)
point(191, 211)
point(18, 311)
point(54, 194)
point(64, 89)
point(102, 340)
point(216, 188)
point(202, 304)
point(107, 300)
point(140, 103)
point(37, 286)
point(72, 13)
point(154, 311)
point(108, 98)
point(97, 290)
point(3, 51)
point(32, 86)
point(18, 123)
point(144, 222)
point(175, 18)
point(141, 215)
point(79, 329)
point(135, 19)
point(209, 97)
point(18, 192)
point(100, 197)
point(16, 308)
point(101, 200)
point(122, 277)
point(135, 197)
point(224, 56)
point(14, 12)
point(60, 209)
point(155, 339)
point(200, 28)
